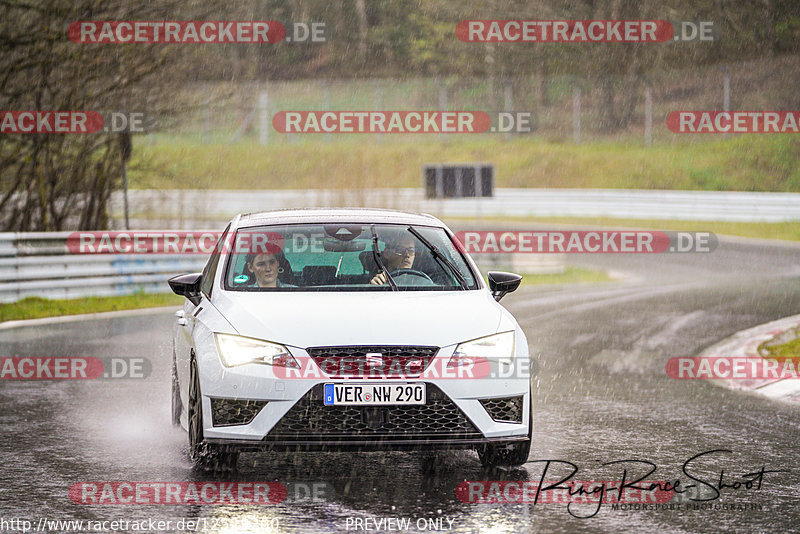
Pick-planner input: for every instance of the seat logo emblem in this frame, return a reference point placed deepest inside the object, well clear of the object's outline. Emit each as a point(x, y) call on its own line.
point(374, 359)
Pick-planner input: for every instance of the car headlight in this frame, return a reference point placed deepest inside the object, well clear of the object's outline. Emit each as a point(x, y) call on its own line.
point(238, 350)
point(497, 347)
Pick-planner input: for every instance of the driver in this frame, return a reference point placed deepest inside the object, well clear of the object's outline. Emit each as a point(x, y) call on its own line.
point(399, 253)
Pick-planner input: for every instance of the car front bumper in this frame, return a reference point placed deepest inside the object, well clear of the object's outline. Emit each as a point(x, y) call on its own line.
point(242, 445)
point(453, 417)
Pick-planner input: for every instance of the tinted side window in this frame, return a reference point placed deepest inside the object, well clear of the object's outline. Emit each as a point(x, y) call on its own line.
point(211, 267)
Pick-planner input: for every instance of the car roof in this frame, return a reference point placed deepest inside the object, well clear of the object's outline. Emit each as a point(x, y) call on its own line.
point(336, 215)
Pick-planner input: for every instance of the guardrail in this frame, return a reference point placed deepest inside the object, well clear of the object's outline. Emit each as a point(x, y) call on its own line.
point(39, 264)
point(197, 208)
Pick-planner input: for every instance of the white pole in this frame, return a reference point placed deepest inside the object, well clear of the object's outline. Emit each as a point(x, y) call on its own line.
point(263, 118)
point(726, 92)
point(326, 92)
point(508, 101)
point(576, 114)
point(378, 107)
point(442, 100)
point(648, 116)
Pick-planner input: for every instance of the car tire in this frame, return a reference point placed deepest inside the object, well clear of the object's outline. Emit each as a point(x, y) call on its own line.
point(203, 455)
point(512, 454)
point(176, 404)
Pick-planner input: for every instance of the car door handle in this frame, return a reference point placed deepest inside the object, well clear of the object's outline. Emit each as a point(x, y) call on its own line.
point(181, 317)
point(181, 321)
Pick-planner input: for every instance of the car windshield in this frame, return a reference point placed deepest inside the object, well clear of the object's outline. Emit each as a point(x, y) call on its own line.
point(346, 257)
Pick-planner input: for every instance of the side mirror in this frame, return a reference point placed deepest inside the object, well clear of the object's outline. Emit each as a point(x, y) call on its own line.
point(501, 283)
point(187, 285)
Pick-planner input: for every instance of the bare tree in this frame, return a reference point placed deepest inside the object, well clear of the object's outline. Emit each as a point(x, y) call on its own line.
point(64, 181)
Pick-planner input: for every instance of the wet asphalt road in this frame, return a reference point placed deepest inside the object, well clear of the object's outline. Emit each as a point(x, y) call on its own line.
point(601, 395)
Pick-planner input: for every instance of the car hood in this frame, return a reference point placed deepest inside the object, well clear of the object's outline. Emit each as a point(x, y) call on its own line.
point(312, 319)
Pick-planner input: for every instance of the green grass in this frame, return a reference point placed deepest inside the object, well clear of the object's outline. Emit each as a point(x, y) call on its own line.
point(789, 231)
point(35, 307)
point(743, 163)
point(571, 275)
point(790, 349)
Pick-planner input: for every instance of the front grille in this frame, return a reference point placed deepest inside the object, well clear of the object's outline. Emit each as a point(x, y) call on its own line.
point(229, 412)
point(506, 409)
point(310, 419)
point(383, 361)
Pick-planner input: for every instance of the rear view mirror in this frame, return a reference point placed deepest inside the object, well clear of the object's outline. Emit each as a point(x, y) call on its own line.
point(187, 285)
point(334, 245)
point(343, 232)
point(501, 283)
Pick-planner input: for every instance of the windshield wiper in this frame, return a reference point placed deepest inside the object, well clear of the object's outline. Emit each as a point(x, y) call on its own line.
point(439, 256)
point(377, 256)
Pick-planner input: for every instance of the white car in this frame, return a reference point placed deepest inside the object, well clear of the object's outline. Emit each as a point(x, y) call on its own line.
point(356, 329)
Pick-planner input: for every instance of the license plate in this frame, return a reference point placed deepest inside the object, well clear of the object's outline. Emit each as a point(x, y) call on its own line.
point(374, 394)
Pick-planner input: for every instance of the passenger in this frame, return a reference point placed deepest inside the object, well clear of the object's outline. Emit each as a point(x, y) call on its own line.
point(265, 268)
point(399, 253)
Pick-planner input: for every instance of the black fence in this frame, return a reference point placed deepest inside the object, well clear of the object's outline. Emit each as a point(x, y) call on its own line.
point(459, 180)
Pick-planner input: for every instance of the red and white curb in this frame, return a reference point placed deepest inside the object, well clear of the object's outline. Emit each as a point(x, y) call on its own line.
point(744, 344)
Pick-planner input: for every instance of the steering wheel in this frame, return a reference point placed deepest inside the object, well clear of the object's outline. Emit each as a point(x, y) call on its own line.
point(412, 272)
